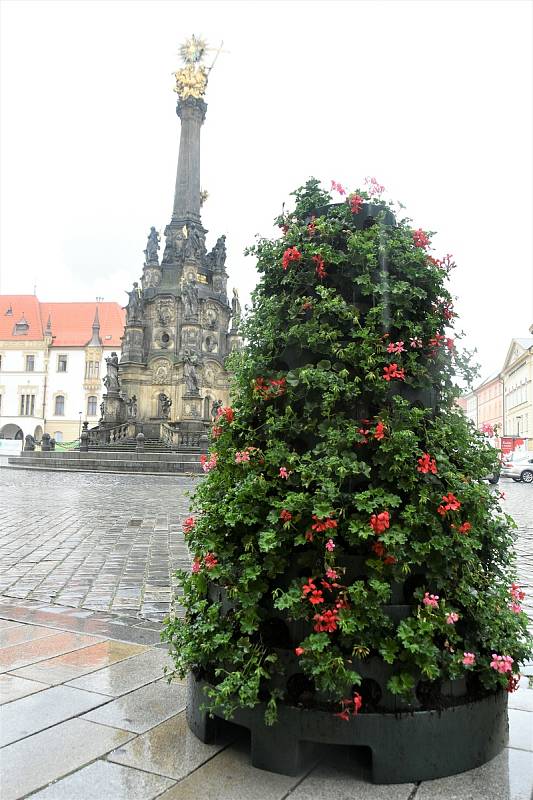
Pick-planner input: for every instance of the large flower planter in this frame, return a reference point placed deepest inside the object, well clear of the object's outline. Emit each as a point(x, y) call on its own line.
point(351, 583)
point(461, 737)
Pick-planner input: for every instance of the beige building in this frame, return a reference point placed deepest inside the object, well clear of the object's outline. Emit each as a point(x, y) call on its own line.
point(517, 379)
point(52, 360)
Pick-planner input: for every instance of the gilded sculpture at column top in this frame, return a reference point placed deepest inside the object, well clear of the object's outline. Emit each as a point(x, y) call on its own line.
point(191, 79)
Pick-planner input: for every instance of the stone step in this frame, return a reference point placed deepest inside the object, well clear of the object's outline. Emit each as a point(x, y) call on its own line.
point(117, 464)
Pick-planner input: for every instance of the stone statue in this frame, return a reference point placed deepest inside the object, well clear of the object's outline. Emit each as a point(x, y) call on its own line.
point(102, 409)
point(111, 381)
point(29, 442)
point(193, 246)
point(190, 373)
point(235, 309)
point(214, 408)
point(190, 298)
point(134, 303)
point(132, 407)
point(219, 254)
point(164, 405)
point(152, 246)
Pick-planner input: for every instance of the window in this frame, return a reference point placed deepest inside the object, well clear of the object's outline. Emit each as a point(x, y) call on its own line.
point(58, 436)
point(59, 407)
point(30, 363)
point(92, 369)
point(91, 406)
point(61, 363)
point(0, 362)
point(27, 405)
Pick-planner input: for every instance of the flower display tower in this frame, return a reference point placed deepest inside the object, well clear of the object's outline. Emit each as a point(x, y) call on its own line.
point(352, 579)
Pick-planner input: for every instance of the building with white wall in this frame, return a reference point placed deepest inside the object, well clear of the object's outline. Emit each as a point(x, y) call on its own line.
point(517, 379)
point(52, 361)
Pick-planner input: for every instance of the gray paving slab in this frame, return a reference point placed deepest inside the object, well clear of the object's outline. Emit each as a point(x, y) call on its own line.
point(12, 687)
point(168, 749)
point(345, 776)
point(54, 753)
point(520, 730)
point(118, 679)
point(105, 780)
point(41, 710)
point(143, 708)
point(523, 698)
point(20, 655)
point(229, 776)
point(509, 776)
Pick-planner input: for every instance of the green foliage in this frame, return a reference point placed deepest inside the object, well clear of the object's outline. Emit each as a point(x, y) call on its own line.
point(311, 399)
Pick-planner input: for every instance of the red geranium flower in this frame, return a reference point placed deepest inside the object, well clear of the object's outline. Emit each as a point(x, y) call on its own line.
point(290, 254)
point(356, 203)
point(379, 432)
point(326, 622)
point(188, 525)
point(320, 269)
point(380, 522)
point(321, 525)
point(210, 561)
point(450, 503)
point(285, 515)
point(420, 239)
point(393, 371)
point(225, 412)
point(427, 464)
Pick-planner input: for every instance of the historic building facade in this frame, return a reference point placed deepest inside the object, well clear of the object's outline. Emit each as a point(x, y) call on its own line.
point(517, 380)
point(180, 325)
point(52, 359)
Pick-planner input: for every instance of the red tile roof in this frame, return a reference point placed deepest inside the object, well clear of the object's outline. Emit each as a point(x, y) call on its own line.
point(15, 308)
point(71, 322)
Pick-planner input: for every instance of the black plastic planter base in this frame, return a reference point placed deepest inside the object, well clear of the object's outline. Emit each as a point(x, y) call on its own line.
point(406, 748)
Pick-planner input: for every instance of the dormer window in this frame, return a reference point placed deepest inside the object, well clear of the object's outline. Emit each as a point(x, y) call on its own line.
point(9, 312)
point(21, 327)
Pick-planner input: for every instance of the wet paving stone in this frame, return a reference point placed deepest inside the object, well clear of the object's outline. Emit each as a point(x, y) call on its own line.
point(106, 780)
point(98, 542)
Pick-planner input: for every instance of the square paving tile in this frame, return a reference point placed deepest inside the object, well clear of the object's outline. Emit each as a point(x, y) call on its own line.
point(80, 662)
point(523, 698)
point(7, 623)
point(42, 710)
point(127, 675)
point(143, 708)
point(168, 749)
point(229, 776)
point(39, 649)
point(345, 774)
point(54, 753)
point(105, 780)
point(521, 730)
point(23, 633)
point(13, 687)
point(509, 776)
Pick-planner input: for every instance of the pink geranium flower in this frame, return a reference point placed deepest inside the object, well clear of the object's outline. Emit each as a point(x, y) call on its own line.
point(469, 659)
point(452, 618)
point(431, 600)
point(330, 545)
point(283, 472)
point(501, 664)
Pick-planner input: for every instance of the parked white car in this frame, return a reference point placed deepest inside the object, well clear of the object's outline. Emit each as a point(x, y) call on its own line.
point(519, 470)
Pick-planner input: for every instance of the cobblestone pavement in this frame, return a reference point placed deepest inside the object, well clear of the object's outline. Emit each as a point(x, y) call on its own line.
point(112, 542)
point(101, 542)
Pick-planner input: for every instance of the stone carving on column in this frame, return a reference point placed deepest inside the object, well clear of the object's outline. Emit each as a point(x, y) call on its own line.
point(190, 373)
point(161, 372)
point(134, 307)
point(190, 298)
point(165, 403)
point(193, 245)
point(111, 381)
point(165, 311)
point(152, 246)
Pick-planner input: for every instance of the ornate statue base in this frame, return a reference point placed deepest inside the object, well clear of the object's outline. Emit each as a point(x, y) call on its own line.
point(191, 407)
point(114, 409)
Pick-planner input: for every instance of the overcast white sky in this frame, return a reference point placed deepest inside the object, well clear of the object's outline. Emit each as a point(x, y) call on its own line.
point(433, 98)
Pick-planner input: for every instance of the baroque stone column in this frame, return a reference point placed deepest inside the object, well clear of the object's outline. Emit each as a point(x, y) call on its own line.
point(191, 112)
